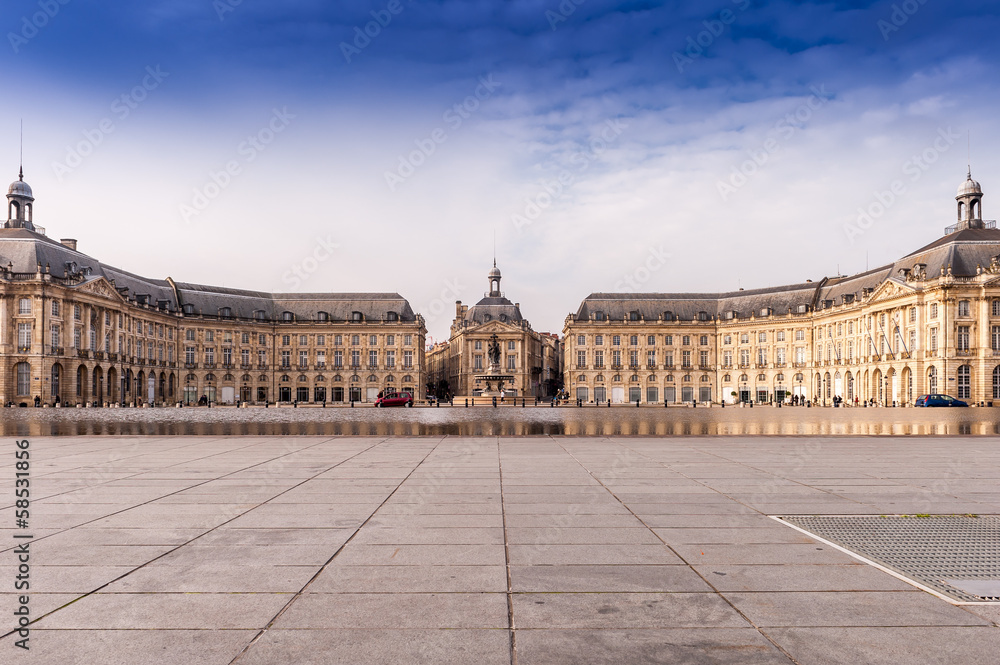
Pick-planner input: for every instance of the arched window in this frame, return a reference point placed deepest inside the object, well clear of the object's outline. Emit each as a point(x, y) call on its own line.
point(964, 382)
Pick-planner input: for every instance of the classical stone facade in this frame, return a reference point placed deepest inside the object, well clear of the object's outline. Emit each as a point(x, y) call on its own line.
point(74, 330)
point(531, 358)
point(928, 323)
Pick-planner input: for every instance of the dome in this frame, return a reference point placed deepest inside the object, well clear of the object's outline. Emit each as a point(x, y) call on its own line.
point(19, 188)
point(495, 272)
point(970, 186)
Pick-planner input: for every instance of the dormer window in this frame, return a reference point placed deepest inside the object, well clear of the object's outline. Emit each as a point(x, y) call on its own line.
point(357, 316)
point(189, 309)
point(322, 316)
point(287, 316)
point(260, 315)
point(392, 316)
point(226, 312)
point(703, 316)
point(633, 316)
point(600, 316)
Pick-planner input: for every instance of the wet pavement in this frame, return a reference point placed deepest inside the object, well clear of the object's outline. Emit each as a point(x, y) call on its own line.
point(458, 420)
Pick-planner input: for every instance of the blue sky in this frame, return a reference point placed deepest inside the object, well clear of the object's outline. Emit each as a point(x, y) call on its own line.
point(608, 146)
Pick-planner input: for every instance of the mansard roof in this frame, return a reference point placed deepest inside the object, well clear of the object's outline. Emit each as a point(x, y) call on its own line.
point(25, 250)
point(961, 252)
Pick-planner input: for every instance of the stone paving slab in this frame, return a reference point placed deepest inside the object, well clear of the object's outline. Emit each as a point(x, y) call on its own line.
point(252, 550)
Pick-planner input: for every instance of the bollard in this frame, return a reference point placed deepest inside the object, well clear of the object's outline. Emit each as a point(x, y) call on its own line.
point(467, 402)
point(352, 403)
point(609, 404)
point(751, 404)
point(552, 403)
point(808, 405)
point(723, 402)
point(694, 404)
point(637, 404)
point(437, 403)
point(579, 402)
point(522, 402)
point(295, 404)
point(494, 402)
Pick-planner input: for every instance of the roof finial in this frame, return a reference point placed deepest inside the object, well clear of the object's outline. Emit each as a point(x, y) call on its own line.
point(970, 154)
point(20, 174)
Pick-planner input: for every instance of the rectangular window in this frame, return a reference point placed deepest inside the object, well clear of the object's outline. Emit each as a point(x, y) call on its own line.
point(262, 359)
point(227, 355)
point(963, 338)
point(616, 340)
point(727, 358)
point(407, 340)
point(23, 336)
point(93, 339)
point(245, 356)
point(703, 358)
point(728, 339)
point(995, 338)
point(209, 355)
point(650, 340)
point(390, 340)
point(511, 362)
point(703, 340)
point(24, 306)
point(303, 340)
point(934, 310)
point(477, 361)
point(408, 359)
point(355, 358)
point(779, 336)
point(933, 340)
point(355, 340)
point(511, 345)
point(390, 358)
point(55, 308)
point(598, 359)
point(338, 359)
point(286, 340)
point(686, 359)
point(245, 338)
point(77, 313)
point(686, 340)
point(372, 340)
point(209, 335)
point(668, 340)
point(651, 359)
point(262, 339)
point(633, 359)
point(372, 358)
point(800, 355)
point(780, 356)
point(744, 357)
point(761, 337)
point(286, 359)
point(303, 359)
point(54, 335)
point(599, 339)
point(633, 340)
point(616, 358)
point(761, 356)
point(77, 338)
point(963, 308)
point(668, 359)
point(581, 359)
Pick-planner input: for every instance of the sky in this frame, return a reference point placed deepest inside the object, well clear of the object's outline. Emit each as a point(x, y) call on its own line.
point(391, 145)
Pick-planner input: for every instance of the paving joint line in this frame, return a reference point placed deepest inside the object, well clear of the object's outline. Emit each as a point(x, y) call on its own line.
point(506, 554)
point(170, 551)
point(263, 631)
point(675, 552)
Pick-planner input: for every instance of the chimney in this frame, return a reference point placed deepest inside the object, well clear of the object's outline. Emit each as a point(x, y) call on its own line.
point(69, 242)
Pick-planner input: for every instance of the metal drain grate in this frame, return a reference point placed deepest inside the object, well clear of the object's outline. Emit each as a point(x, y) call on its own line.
point(956, 556)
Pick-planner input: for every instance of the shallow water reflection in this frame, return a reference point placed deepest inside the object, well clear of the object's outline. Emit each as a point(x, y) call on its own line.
point(505, 421)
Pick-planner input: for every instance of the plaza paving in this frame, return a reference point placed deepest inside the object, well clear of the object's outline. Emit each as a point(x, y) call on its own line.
point(483, 550)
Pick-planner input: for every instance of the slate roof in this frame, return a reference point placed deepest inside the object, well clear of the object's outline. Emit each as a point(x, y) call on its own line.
point(962, 251)
point(26, 249)
point(494, 309)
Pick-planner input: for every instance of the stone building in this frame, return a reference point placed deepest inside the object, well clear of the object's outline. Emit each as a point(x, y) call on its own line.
point(531, 358)
point(80, 331)
point(929, 322)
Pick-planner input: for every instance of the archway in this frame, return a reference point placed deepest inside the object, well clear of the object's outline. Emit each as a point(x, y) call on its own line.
point(97, 385)
point(113, 395)
point(55, 383)
point(81, 383)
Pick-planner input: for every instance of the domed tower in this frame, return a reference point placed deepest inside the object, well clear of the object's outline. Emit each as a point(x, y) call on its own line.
point(494, 278)
point(19, 205)
point(970, 204)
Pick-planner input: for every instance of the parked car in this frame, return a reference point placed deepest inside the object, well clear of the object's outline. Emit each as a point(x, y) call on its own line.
point(938, 400)
point(395, 399)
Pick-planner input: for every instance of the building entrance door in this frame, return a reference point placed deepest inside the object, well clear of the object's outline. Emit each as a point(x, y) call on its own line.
point(618, 395)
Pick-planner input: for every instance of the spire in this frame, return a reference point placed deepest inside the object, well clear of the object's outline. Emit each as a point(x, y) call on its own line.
point(21, 159)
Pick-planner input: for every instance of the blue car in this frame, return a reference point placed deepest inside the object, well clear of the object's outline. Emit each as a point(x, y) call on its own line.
point(938, 400)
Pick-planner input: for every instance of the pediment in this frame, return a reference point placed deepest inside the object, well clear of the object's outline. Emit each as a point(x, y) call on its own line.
point(890, 290)
point(101, 287)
